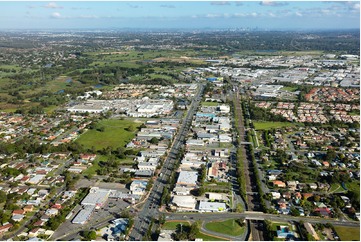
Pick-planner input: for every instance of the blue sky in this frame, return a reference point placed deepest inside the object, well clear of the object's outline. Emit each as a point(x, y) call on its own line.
point(185, 14)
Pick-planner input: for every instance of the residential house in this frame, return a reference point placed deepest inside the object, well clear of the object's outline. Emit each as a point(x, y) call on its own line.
point(5, 228)
point(28, 208)
point(292, 185)
point(51, 212)
point(284, 232)
point(324, 212)
point(279, 184)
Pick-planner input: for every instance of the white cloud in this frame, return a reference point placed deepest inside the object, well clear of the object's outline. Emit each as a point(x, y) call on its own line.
point(356, 6)
point(78, 8)
point(299, 14)
point(56, 15)
point(273, 3)
point(134, 6)
point(52, 5)
point(167, 6)
point(222, 3)
point(212, 15)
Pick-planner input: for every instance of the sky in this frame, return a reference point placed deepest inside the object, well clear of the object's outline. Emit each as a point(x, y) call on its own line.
point(286, 15)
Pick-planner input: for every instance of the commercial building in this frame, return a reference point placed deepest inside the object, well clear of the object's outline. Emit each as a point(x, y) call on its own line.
point(83, 215)
point(212, 207)
point(185, 203)
point(187, 178)
point(96, 197)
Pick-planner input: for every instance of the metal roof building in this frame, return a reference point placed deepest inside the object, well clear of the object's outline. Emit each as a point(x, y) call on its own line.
point(96, 197)
point(83, 215)
point(187, 178)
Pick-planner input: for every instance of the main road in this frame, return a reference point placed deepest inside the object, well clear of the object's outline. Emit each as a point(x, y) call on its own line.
point(257, 216)
point(150, 207)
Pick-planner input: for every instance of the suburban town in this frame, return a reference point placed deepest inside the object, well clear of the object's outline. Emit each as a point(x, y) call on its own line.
point(180, 134)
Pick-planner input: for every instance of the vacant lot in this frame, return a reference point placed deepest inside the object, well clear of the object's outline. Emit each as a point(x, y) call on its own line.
point(228, 227)
point(348, 233)
point(272, 125)
point(109, 132)
point(210, 104)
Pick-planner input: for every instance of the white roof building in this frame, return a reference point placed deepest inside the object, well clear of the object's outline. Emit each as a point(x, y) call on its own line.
point(184, 202)
point(36, 179)
point(83, 215)
point(212, 207)
point(187, 178)
point(138, 187)
point(96, 197)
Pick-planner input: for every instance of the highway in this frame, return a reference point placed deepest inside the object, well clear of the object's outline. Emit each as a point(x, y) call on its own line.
point(251, 188)
point(258, 216)
point(150, 207)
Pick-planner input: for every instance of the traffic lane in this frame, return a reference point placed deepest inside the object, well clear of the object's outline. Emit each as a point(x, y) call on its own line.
point(256, 216)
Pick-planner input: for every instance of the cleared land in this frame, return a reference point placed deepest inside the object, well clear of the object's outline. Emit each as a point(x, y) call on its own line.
point(348, 233)
point(206, 237)
point(210, 104)
point(227, 227)
point(115, 133)
point(272, 125)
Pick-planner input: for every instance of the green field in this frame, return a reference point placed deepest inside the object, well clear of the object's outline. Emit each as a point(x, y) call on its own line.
point(91, 171)
point(210, 104)
point(114, 134)
point(206, 237)
point(227, 227)
point(290, 89)
point(173, 225)
point(272, 125)
point(336, 187)
point(348, 233)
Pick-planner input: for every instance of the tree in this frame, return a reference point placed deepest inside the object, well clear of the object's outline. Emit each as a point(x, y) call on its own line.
point(331, 155)
point(89, 235)
point(2, 196)
point(294, 212)
point(194, 230)
point(130, 128)
point(154, 140)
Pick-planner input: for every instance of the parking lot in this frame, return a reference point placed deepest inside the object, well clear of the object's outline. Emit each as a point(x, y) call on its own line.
point(111, 210)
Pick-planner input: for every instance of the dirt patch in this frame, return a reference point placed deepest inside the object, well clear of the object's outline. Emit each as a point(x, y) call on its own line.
point(328, 233)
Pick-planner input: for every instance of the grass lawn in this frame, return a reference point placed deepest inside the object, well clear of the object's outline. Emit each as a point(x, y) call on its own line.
point(348, 233)
point(336, 187)
point(353, 186)
point(173, 225)
point(228, 227)
point(270, 125)
point(92, 169)
point(275, 224)
point(290, 89)
point(114, 134)
point(206, 237)
point(50, 109)
point(210, 104)
point(354, 112)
